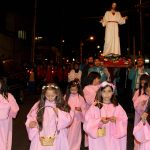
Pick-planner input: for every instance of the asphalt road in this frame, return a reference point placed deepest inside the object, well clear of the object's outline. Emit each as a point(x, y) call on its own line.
point(20, 138)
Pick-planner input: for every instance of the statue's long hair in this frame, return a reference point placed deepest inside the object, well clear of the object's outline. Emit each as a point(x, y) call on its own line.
point(110, 7)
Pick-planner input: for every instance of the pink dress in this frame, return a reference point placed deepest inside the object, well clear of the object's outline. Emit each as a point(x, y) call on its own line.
point(139, 109)
point(51, 123)
point(8, 110)
point(136, 95)
point(116, 133)
point(135, 101)
point(142, 134)
point(89, 94)
point(74, 134)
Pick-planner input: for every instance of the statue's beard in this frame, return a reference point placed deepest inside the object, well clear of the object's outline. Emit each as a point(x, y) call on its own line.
point(76, 70)
point(114, 8)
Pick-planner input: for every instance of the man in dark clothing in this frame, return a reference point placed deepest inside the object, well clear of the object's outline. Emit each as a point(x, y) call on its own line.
point(85, 69)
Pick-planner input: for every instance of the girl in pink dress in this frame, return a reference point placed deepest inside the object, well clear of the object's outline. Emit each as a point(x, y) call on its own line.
point(141, 131)
point(48, 120)
point(93, 83)
point(8, 110)
point(74, 97)
point(138, 96)
point(92, 87)
point(106, 121)
point(143, 79)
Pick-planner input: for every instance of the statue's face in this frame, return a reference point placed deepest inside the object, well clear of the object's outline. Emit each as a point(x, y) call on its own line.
point(114, 5)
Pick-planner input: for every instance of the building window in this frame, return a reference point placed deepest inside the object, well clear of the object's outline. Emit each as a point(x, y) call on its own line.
point(22, 34)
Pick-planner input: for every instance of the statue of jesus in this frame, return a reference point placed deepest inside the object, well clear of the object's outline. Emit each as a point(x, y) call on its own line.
point(110, 21)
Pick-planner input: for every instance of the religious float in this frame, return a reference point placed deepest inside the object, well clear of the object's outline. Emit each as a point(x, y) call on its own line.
point(115, 61)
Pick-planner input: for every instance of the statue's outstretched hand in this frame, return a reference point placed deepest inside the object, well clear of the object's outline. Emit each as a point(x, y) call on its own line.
point(126, 17)
point(101, 21)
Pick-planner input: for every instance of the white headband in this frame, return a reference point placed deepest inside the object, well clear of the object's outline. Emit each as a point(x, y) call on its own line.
point(47, 86)
point(105, 83)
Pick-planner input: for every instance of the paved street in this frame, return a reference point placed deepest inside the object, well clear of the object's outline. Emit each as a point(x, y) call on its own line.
point(20, 139)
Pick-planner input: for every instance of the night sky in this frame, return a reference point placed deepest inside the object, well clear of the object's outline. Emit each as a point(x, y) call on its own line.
point(75, 20)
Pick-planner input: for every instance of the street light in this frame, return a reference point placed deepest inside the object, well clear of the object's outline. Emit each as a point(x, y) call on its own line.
point(98, 46)
point(38, 38)
point(91, 38)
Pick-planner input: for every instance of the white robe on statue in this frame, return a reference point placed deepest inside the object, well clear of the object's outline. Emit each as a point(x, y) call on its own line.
point(112, 41)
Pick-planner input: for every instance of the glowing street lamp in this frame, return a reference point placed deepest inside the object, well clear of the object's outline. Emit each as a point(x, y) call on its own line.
point(147, 61)
point(91, 38)
point(98, 46)
point(38, 37)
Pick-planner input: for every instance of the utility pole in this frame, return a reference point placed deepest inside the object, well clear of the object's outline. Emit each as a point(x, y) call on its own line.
point(33, 33)
point(81, 51)
point(141, 27)
point(90, 38)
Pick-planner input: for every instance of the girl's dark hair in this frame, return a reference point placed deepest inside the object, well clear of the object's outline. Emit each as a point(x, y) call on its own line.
point(146, 85)
point(147, 110)
point(59, 100)
point(91, 76)
point(3, 88)
point(99, 98)
point(146, 78)
point(73, 83)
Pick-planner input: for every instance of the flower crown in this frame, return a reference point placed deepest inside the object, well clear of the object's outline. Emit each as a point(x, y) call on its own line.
point(105, 83)
point(51, 85)
point(75, 82)
point(147, 73)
